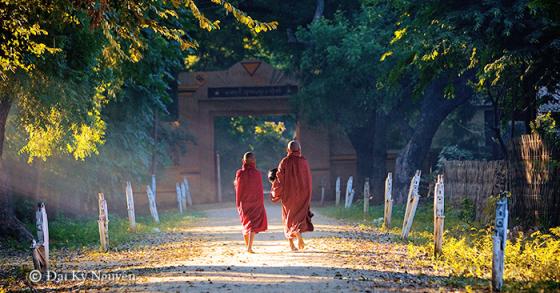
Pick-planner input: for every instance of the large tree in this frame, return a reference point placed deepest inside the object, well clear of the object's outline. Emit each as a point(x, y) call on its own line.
point(500, 49)
point(59, 64)
point(342, 83)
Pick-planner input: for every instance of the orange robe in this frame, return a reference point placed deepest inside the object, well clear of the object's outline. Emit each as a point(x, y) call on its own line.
point(249, 199)
point(293, 188)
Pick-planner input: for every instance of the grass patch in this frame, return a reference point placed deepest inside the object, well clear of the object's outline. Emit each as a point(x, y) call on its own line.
point(532, 262)
point(84, 233)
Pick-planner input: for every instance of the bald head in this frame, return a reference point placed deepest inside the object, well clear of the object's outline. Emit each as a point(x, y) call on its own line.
point(294, 146)
point(249, 156)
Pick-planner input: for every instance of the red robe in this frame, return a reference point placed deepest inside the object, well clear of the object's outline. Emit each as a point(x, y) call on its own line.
point(293, 187)
point(249, 199)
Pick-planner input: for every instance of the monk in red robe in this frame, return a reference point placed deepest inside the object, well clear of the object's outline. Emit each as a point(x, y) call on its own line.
point(249, 200)
point(292, 186)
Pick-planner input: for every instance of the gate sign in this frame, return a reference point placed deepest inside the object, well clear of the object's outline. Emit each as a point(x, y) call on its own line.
point(252, 91)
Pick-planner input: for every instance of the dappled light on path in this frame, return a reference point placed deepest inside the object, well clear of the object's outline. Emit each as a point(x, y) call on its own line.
point(208, 255)
point(337, 257)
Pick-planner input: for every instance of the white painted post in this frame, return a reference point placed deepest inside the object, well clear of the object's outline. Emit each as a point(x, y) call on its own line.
point(41, 248)
point(349, 191)
point(337, 191)
point(322, 191)
point(183, 195)
point(438, 215)
point(103, 223)
point(154, 188)
point(388, 201)
point(366, 197)
point(152, 203)
point(179, 197)
point(219, 174)
point(499, 243)
point(411, 204)
point(187, 191)
point(130, 206)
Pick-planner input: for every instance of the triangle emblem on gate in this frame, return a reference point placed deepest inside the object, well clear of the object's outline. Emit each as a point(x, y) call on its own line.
point(251, 66)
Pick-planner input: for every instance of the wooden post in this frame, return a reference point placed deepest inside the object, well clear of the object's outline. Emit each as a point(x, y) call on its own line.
point(411, 204)
point(130, 206)
point(219, 174)
point(499, 243)
point(337, 191)
point(103, 223)
point(348, 200)
point(152, 203)
point(41, 248)
point(366, 197)
point(183, 195)
point(438, 215)
point(154, 188)
point(388, 201)
point(179, 197)
point(187, 191)
point(322, 191)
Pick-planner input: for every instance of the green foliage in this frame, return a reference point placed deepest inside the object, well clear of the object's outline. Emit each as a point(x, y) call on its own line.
point(342, 80)
point(94, 95)
point(64, 61)
point(546, 126)
point(468, 210)
point(511, 48)
point(532, 261)
point(450, 153)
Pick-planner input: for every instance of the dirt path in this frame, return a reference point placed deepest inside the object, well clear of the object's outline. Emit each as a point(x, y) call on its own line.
point(209, 257)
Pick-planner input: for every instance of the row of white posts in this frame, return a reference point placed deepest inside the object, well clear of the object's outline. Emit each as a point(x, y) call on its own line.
point(501, 222)
point(40, 247)
point(184, 198)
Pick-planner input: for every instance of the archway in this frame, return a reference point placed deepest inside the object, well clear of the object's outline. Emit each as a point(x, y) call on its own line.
point(250, 87)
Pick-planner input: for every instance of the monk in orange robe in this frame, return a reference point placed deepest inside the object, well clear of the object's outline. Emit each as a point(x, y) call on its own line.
point(249, 200)
point(292, 186)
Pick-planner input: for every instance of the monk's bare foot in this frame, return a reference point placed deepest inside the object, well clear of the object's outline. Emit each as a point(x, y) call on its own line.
point(250, 250)
point(301, 244)
point(292, 246)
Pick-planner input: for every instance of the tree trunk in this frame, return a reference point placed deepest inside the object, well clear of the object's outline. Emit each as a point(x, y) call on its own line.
point(370, 144)
point(379, 159)
point(9, 224)
point(362, 139)
point(435, 108)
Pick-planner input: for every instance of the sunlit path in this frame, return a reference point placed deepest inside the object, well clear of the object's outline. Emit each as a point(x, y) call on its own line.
point(336, 258)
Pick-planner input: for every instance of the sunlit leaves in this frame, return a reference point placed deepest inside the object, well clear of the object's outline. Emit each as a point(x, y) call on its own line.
point(398, 34)
point(270, 127)
point(385, 55)
point(19, 33)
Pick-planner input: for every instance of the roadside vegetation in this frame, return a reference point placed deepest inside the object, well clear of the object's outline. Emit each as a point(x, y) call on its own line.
point(532, 260)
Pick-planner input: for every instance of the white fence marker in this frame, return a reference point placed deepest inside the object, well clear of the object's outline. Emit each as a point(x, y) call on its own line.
point(219, 174)
point(499, 243)
point(388, 201)
point(130, 206)
point(183, 195)
point(349, 193)
point(103, 223)
point(41, 248)
point(411, 204)
point(179, 197)
point(152, 203)
point(366, 197)
point(322, 191)
point(439, 217)
point(337, 191)
point(187, 191)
